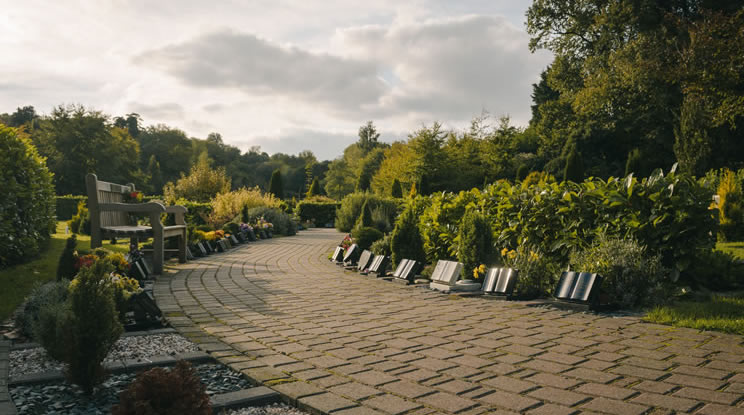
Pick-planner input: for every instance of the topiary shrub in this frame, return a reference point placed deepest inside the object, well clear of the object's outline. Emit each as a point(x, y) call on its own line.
point(474, 242)
point(66, 265)
point(159, 391)
point(67, 205)
point(365, 218)
point(632, 277)
point(80, 222)
point(27, 204)
point(405, 241)
point(51, 293)
point(396, 191)
point(319, 212)
point(382, 246)
point(348, 213)
point(276, 185)
point(92, 325)
point(366, 236)
point(282, 222)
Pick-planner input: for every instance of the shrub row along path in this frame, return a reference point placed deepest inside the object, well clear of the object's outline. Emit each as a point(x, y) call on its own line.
point(337, 342)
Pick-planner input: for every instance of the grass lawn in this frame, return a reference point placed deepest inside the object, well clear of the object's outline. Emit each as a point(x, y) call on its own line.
point(719, 313)
point(734, 248)
point(17, 282)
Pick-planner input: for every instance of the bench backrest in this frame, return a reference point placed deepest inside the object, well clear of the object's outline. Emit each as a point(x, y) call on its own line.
point(105, 192)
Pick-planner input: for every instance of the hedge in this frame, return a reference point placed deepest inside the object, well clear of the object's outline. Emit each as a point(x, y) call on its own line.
point(319, 213)
point(67, 205)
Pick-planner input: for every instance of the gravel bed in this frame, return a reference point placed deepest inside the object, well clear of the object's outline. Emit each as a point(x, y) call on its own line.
point(274, 409)
point(35, 360)
point(64, 398)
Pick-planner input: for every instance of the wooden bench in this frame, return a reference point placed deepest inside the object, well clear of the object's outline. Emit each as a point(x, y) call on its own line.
point(110, 218)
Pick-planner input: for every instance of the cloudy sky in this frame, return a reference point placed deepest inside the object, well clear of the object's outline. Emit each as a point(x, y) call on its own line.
point(286, 75)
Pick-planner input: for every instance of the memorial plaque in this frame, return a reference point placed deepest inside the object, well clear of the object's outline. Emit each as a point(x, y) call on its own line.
point(489, 282)
point(189, 255)
point(451, 273)
point(241, 238)
point(585, 285)
point(145, 267)
point(566, 285)
point(439, 270)
point(211, 247)
point(226, 242)
point(221, 247)
point(137, 272)
point(202, 249)
point(234, 240)
point(252, 235)
point(379, 264)
point(352, 253)
point(506, 282)
point(338, 254)
point(398, 273)
point(412, 269)
point(364, 260)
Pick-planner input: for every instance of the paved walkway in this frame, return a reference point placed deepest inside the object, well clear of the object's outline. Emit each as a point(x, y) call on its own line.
point(334, 341)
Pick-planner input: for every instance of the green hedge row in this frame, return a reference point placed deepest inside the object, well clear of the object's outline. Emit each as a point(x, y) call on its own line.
point(319, 213)
point(67, 205)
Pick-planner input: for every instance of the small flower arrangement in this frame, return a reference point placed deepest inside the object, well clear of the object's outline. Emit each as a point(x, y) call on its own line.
point(479, 271)
point(346, 243)
point(244, 227)
point(133, 197)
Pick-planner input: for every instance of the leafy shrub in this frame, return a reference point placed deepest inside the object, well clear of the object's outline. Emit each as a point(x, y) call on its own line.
point(319, 212)
point(67, 205)
point(40, 297)
point(282, 222)
point(201, 185)
point(365, 218)
point(382, 246)
point(538, 273)
point(366, 236)
point(474, 245)
point(730, 207)
point(160, 391)
point(227, 206)
point(439, 223)
point(92, 326)
point(50, 329)
point(522, 172)
point(80, 222)
point(405, 241)
point(632, 276)
point(381, 217)
point(66, 265)
point(348, 213)
point(276, 184)
point(574, 170)
point(314, 189)
point(27, 204)
point(714, 270)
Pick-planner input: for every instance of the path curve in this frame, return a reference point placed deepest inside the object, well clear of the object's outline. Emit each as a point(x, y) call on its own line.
point(337, 342)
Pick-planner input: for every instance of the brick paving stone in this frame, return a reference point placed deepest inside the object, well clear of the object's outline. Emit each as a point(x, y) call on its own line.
point(522, 350)
point(461, 372)
point(434, 364)
point(640, 372)
point(546, 366)
point(612, 406)
point(471, 361)
point(328, 381)
point(359, 410)
point(654, 387)
point(296, 390)
point(447, 402)
point(566, 359)
point(666, 401)
point(607, 391)
point(326, 403)
point(508, 400)
point(716, 409)
point(705, 372)
point(349, 369)
point(355, 391)
point(725, 398)
point(703, 383)
point(509, 384)
point(419, 375)
point(552, 409)
point(439, 353)
point(391, 404)
point(407, 389)
point(456, 386)
point(373, 378)
point(327, 362)
point(591, 375)
point(557, 381)
point(311, 374)
point(561, 396)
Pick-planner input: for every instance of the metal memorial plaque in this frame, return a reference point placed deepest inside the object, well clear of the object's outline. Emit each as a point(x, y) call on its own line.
point(380, 265)
point(226, 242)
point(202, 249)
point(189, 255)
point(566, 285)
point(410, 270)
point(506, 282)
point(376, 262)
point(351, 253)
point(338, 254)
point(139, 273)
point(234, 240)
point(364, 260)
point(451, 272)
point(489, 282)
point(439, 270)
point(584, 286)
point(145, 267)
point(398, 273)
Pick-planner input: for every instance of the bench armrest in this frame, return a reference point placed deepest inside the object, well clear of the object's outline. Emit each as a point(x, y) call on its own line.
point(149, 207)
point(176, 209)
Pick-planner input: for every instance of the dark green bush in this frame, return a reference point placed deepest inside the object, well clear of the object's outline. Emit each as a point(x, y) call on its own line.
point(632, 276)
point(348, 213)
point(366, 236)
point(714, 270)
point(197, 212)
point(382, 246)
point(405, 241)
point(27, 204)
point(66, 265)
point(41, 297)
point(80, 222)
point(159, 391)
point(396, 191)
point(474, 242)
point(365, 218)
point(574, 170)
point(318, 213)
point(67, 205)
point(231, 228)
point(283, 224)
point(92, 325)
point(51, 327)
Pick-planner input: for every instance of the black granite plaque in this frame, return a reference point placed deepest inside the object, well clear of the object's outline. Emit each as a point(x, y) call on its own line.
point(585, 286)
point(489, 281)
point(352, 253)
point(398, 273)
point(364, 260)
point(506, 282)
point(338, 254)
point(566, 285)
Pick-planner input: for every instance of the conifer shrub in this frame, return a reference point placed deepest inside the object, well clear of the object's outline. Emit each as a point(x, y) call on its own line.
point(366, 236)
point(160, 391)
point(319, 211)
point(66, 265)
point(522, 171)
point(92, 325)
point(27, 203)
point(382, 246)
point(276, 185)
point(474, 242)
point(80, 222)
point(396, 191)
point(574, 170)
point(365, 218)
point(348, 213)
point(405, 241)
point(730, 207)
point(49, 294)
point(314, 189)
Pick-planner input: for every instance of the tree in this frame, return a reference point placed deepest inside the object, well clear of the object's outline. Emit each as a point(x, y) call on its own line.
point(131, 123)
point(365, 218)
point(574, 170)
point(156, 177)
point(202, 183)
point(275, 185)
point(171, 148)
point(370, 165)
point(23, 115)
point(314, 189)
point(406, 242)
point(396, 191)
point(368, 136)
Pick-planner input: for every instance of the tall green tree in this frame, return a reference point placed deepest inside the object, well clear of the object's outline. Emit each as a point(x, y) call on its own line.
point(368, 136)
point(276, 187)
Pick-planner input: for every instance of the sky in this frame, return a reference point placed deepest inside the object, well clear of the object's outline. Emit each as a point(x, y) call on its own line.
point(285, 75)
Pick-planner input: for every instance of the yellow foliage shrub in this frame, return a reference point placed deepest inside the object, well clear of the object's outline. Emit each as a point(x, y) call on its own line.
point(226, 206)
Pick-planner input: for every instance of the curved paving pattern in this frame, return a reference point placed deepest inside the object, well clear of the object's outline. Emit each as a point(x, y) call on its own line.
point(337, 342)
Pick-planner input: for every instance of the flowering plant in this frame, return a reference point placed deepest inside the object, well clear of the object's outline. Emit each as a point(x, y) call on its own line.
point(537, 272)
point(479, 271)
point(133, 197)
point(244, 227)
point(346, 243)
